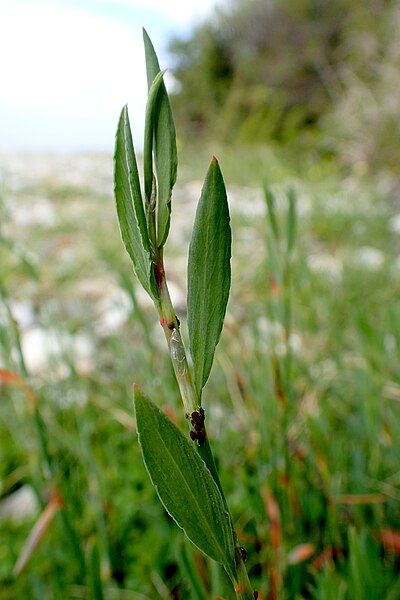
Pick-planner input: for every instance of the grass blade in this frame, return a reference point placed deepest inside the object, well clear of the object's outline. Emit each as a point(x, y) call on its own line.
point(291, 220)
point(97, 592)
point(37, 533)
point(271, 206)
point(190, 571)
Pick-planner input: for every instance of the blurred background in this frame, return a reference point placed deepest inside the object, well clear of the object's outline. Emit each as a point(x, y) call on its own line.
point(320, 75)
point(68, 67)
point(299, 100)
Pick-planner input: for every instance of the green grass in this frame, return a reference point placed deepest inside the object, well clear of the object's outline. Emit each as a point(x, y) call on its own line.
point(324, 449)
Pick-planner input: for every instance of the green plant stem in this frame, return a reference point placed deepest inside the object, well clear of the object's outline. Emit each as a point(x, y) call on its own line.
point(190, 399)
point(243, 588)
point(170, 325)
point(191, 402)
point(206, 454)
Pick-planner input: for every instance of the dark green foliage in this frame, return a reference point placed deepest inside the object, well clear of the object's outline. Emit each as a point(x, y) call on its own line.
point(259, 68)
point(286, 71)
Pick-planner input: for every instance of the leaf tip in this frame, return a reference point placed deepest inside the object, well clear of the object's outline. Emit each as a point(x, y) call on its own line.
point(123, 117)
point(215, 160)
point(137, 390)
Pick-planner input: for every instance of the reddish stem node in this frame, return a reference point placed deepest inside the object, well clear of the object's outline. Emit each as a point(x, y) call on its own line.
point(159, 274)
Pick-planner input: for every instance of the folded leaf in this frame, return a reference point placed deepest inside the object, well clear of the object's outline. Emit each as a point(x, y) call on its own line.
point(209, 273)
point(149, 134)
point(128, 197)
point(184, 484)
point(164, 145)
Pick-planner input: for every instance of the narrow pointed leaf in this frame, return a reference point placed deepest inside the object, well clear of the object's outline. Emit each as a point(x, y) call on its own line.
point(190, 571)
point(183, 483)
point(209, 273)
point(128, 197)
point(149, 134)
point(164, 145)
point(95, 573)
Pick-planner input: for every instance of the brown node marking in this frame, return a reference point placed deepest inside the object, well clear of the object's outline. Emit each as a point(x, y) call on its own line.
point(198, 436)
point(198, 432)
point(159, 274)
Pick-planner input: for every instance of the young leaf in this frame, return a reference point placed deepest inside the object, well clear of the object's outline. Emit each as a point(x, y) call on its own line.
point(149, 134)
point(184, 484)
point(209, 273)
point(164, 145)
point(128, 197)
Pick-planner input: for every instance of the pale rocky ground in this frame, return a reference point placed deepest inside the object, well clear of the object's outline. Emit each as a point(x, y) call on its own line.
point(32, 185)
point(54, 207)
point(54, 195)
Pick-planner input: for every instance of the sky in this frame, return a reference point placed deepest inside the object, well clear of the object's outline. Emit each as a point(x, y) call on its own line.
point(68, 66)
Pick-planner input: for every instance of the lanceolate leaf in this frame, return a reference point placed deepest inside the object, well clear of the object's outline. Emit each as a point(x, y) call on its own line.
point(209, 273)
point(164, 145)
point(149, 135)
point(128, 197)
point(184, 484)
